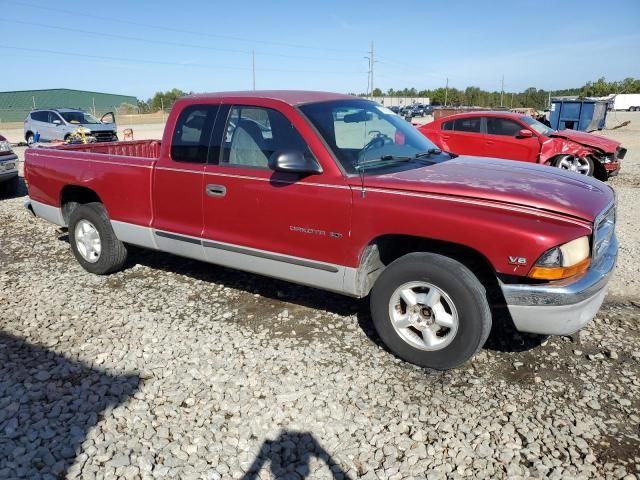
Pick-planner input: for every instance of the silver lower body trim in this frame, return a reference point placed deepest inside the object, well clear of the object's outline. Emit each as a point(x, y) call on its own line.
point(48, 213)
point(134, 234)
point(335, 278)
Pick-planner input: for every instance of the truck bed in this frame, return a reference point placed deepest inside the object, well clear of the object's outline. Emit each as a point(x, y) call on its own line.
point(120, 173)
point(136, 148)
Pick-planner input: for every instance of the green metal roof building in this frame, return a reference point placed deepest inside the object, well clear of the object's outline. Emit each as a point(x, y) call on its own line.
point(14, 106)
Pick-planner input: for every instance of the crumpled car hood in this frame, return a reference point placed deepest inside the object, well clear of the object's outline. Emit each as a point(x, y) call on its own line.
point(588, 139)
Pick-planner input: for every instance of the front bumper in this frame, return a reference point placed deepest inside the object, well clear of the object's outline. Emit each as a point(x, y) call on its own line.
point(565, 306)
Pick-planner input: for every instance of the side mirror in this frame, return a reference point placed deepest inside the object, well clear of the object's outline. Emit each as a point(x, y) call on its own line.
point(525, 133)
point(293, 161)
point(57, 122)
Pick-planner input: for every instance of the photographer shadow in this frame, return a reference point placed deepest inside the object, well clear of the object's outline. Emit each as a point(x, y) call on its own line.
point(289, 456)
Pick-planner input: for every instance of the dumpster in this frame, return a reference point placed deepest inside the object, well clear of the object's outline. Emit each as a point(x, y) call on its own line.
point(586, 115)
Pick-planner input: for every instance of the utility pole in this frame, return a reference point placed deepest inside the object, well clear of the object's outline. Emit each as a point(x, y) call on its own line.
point(372, 62)
point(368, 75)
point(446, 92)
point(253, 63)
point(162, 108)
point(502, 91)
point(511, 100)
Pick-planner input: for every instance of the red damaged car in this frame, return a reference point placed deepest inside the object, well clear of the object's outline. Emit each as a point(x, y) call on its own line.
point(519, 137)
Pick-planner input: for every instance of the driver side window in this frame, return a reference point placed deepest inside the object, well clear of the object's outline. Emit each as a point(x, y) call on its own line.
point(253, 134)
point(54, 116)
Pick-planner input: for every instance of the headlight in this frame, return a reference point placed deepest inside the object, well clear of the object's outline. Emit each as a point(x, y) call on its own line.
point(5, 146)
point(564, 261)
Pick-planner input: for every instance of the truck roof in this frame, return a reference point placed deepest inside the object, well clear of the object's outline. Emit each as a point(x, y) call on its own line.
point(292, 97)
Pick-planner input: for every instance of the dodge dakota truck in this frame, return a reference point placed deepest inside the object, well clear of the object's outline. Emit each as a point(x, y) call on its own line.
point(339, 193)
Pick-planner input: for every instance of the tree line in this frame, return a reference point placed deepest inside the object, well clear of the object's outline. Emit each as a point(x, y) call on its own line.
point(531, 97)
point(470, 96)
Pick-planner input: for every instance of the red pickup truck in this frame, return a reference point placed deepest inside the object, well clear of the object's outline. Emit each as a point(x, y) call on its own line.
point(515, 136)
point(339, 193)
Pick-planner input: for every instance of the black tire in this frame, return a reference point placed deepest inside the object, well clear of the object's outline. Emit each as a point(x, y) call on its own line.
point(113, 252)
point(464, 290)
point(29, 138)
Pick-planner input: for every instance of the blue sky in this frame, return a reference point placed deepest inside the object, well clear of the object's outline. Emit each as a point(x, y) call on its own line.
point(204, 45)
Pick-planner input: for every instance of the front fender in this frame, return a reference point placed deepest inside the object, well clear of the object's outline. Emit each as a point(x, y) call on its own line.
point(553, 147)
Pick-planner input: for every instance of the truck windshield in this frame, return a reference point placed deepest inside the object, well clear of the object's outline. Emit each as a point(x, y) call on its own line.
point(539, 127)
point(79, 117)
point(359, 131)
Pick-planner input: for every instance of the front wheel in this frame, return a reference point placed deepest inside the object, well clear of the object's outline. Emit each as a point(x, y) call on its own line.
point(581, 165)
point(93, 241)
point(430, 310)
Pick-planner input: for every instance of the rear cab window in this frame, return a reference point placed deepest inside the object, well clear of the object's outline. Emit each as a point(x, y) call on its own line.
point(192, 134)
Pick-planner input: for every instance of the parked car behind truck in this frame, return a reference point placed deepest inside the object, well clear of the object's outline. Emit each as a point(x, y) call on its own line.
point(61, 123)
point(8, 168)
point(339, 193)
point(516, 136)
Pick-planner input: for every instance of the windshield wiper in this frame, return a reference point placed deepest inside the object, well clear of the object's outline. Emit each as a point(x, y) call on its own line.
point(361, 165)
point(397, 158)
point(431, 151)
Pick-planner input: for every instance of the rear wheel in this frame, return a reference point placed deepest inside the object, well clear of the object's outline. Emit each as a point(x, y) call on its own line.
point(430, 310)
point(581, 165)
point(29, 138)
point(93, 241)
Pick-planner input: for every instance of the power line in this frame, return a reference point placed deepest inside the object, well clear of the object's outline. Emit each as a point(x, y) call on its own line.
point(165, 42)
point(177, 30)
point(159, 62)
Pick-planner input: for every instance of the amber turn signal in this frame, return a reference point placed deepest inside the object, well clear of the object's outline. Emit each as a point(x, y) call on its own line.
point(558, 273)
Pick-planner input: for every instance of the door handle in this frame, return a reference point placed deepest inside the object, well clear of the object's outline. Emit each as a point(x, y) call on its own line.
point(445, 137)
point(216, 190)
point(490, 143)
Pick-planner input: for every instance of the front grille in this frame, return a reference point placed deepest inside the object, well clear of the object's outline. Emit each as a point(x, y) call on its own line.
point(603, 230)
point(620, 153)
point(103, 136)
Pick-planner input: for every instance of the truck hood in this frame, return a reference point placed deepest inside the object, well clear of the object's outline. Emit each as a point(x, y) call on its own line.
point(504, 181)
point(587, 139)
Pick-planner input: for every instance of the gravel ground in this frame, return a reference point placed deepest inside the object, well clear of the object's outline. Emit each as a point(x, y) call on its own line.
point(178, 369)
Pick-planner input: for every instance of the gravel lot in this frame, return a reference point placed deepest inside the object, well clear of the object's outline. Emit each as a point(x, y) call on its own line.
point(178, 369)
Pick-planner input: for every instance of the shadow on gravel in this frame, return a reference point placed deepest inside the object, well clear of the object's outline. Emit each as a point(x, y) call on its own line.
point(47, 405)
point(289, 456)
point(13, 189)
point(503, 338)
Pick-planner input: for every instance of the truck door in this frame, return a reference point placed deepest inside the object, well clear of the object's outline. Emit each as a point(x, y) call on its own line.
point(284, 225)
point(503, 140)
point(178, 182)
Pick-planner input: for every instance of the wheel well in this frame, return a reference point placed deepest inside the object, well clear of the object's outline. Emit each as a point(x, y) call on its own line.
point(74, 195)
point(385, 249)
point(26, 135)
point(599, 172)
